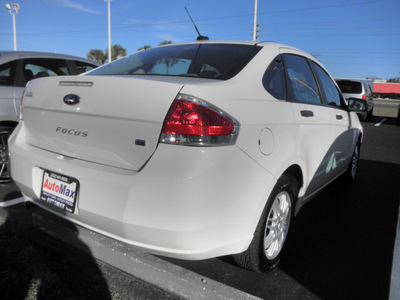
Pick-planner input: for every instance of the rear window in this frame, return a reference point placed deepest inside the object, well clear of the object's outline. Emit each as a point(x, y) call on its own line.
point(217, 61)
point(274, 79)
point(349, 87)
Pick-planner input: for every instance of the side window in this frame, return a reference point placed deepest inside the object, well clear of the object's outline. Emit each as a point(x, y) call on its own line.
point(370, 90)
point(274, 79)
point(43, 67)
point(7, 73)
point(331, 92)
point(301, 80)
point(84, 67)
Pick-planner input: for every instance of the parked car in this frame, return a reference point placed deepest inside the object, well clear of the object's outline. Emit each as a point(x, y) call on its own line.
point(191, 150)
point(16, 69)
point(358, 88)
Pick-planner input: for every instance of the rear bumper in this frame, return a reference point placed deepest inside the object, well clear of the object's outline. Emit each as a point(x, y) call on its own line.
point(187, 202)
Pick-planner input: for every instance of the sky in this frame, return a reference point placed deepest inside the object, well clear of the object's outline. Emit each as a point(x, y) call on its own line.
point(352, 38)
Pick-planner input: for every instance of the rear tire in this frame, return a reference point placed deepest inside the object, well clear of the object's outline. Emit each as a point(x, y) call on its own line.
point(270, 235)
point(363, 117)
point(5, 132)
point(351, 172)
point(370, 113)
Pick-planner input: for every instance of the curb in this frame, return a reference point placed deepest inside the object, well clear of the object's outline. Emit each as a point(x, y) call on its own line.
point(167, 276)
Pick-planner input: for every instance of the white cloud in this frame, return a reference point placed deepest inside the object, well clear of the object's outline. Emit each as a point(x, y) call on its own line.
point(70, 4)
point(167, 37)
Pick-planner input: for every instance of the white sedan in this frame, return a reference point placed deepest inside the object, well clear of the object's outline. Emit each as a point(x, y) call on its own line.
point(192, 150)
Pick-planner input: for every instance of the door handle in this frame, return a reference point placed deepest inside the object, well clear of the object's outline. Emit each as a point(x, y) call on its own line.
point(307, 113)
point(339, 117)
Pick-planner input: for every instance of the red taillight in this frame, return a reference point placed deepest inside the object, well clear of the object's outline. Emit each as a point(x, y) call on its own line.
point(364, 97)
point(185, 117)
point(192, 121)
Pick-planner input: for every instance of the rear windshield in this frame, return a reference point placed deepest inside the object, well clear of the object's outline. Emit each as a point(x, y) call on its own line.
point(349, 87)
point(217, 61)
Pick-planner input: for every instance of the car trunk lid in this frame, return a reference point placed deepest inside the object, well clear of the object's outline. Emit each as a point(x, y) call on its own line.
point(116, 121)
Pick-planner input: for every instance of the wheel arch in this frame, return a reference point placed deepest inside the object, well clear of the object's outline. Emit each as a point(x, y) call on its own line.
point(12, 124)
point(360, 138)
point(296, 172)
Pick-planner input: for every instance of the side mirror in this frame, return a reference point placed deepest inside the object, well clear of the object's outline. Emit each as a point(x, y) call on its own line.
point(357, 105)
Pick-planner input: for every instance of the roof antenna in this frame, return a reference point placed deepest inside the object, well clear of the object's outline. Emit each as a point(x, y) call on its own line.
point(200, 37)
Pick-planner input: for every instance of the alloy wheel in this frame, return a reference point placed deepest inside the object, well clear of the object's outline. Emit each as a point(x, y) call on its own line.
point(277, 225)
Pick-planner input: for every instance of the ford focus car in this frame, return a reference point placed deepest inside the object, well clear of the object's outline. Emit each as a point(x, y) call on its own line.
point(192, 150)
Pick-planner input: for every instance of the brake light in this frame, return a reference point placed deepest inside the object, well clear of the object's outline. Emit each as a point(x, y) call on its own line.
point(364, 97)
point(195, 122)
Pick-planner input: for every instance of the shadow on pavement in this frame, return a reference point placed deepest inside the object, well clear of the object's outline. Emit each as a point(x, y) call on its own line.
point(34, 265)
point(341, 246)
point(9, 191)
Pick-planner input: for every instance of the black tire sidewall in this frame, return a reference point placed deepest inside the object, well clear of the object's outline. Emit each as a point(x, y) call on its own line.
point(284, 184)
point(348, 176)
point(6, 130)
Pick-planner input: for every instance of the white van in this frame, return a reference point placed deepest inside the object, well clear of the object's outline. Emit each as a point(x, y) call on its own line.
point(358, 88)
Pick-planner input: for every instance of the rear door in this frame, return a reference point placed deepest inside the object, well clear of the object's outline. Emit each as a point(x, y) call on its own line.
point(8, 92)
point(313, 121)
point(341, 148)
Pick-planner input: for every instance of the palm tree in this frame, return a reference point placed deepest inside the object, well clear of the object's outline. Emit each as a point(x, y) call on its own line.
point(145, 47)
point(165, 43)
point(96, 55)
point(169, 62)
point(116, 51)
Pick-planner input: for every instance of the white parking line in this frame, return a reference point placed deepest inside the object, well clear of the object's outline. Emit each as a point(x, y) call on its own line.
point(380, 123)
point(12, 202)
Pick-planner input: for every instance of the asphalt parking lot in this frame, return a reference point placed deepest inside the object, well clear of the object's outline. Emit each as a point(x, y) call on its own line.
point(341, 246)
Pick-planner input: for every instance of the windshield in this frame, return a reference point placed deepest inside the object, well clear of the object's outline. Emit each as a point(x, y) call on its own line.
point(217, 61)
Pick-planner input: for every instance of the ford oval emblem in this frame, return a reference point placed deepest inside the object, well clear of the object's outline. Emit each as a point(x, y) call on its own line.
point(72, 99)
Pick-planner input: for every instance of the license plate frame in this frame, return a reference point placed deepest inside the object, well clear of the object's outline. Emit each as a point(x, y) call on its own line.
point(59, 190)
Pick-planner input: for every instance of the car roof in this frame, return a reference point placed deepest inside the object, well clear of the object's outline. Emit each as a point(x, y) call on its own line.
point(6, 56)
point(236, 42)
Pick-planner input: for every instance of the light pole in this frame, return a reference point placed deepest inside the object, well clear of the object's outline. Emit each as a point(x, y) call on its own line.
point(109, 30)
point(255, 21)
point(15, 7)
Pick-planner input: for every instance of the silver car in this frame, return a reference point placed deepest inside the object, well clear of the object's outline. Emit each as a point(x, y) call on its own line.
point(358, 88)
point(16, 69)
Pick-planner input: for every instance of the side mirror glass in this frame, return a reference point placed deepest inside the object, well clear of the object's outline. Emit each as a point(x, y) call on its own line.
point(357, 105)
